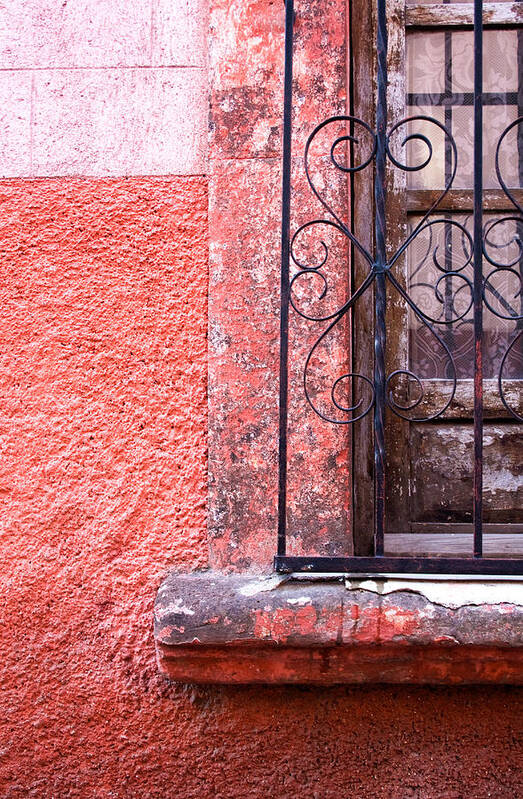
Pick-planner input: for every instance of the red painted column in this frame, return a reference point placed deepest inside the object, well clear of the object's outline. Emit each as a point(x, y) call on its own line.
point(244, 219)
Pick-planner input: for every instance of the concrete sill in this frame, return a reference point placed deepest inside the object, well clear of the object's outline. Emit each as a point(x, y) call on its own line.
point(219, 628)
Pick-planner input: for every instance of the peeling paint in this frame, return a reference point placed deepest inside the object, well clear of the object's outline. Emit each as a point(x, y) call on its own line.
point(246, 85)
point(265, 584)
point(179, 607)
point(449, 593)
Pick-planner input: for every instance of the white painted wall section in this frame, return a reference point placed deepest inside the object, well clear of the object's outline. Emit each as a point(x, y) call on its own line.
point(103, 87)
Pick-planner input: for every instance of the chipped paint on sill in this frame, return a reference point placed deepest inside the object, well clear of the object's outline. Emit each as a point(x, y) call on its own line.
point(451, 593)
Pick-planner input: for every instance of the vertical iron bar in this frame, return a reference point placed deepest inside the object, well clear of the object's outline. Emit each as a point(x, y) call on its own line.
point(352, 252)
point(380, 288)
point(284, 296)
point(478, 277)
point(520, 105)
point(449, 330)
point(519, 225)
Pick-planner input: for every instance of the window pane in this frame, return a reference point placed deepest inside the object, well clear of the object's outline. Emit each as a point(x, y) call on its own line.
point(444, 247)
point(440, 84)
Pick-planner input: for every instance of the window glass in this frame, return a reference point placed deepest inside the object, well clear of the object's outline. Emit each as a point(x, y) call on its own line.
point(440, 80)
point(444, 247)
point(440, 85)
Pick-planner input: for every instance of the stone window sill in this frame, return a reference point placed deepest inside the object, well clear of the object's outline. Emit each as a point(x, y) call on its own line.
point(222, 628)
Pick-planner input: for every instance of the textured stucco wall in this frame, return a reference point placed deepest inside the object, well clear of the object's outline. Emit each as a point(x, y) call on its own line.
point(103, 459)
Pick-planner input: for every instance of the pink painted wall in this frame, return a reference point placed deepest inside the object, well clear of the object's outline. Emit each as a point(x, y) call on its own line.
point(103, 363)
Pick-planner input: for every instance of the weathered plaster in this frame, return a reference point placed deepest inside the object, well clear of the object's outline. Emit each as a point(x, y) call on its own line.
point(246, 92)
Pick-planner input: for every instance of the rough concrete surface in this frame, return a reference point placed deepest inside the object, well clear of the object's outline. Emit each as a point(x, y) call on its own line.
point(103, 479)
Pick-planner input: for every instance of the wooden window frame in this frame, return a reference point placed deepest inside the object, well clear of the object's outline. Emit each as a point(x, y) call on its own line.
point(400, 202)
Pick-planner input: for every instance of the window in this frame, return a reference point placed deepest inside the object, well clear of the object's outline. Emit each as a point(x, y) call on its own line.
point(247, 627)
point(434, 472)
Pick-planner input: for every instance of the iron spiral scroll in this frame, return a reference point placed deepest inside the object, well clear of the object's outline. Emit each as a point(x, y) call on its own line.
point(452, 287)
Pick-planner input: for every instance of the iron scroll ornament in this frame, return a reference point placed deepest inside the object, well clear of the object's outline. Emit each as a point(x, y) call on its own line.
point(454, 276)
point(504, 309)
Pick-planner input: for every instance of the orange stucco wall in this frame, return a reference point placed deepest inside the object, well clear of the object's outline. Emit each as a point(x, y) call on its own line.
point(103, 473)
point(103, 425)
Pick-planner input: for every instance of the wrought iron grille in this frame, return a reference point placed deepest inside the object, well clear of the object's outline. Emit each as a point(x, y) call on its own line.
point(462, 294)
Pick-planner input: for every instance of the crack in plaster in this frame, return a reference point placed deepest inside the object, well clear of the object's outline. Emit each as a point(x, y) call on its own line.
point(441, 594)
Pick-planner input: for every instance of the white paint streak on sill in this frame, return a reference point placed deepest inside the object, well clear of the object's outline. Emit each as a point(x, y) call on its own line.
point(263, 584)
point(449, 592)
point(300, 600)
point(179, 607)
